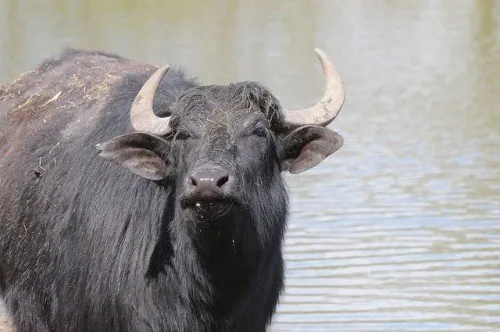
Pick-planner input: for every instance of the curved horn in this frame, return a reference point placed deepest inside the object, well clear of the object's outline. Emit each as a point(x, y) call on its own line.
point(329, 106)
point(142, 116)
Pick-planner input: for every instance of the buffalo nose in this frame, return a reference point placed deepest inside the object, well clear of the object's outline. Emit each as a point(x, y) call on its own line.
point(209, 182)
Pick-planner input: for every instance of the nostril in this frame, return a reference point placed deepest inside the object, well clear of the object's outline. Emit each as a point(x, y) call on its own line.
point(211, 179)
point(222, 181)
point(193, 181)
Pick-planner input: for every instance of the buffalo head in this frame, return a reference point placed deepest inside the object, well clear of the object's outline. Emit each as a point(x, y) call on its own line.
point(224, 147)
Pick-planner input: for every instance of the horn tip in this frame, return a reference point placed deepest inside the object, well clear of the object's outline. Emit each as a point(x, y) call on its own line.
point(322, 56)
point(319, 52)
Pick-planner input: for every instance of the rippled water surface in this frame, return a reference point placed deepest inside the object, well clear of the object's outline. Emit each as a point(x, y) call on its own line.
point(399, 230)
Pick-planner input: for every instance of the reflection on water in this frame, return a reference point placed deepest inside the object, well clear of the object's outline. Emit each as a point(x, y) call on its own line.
point(400, 229)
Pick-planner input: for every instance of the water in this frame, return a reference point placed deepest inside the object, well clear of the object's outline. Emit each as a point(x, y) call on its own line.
point(399, 230)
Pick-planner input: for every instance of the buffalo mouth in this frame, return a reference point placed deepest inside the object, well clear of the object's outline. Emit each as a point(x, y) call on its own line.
point(208, 208)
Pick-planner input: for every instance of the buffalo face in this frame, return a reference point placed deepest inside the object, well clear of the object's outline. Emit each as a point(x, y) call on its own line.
point(225, 146)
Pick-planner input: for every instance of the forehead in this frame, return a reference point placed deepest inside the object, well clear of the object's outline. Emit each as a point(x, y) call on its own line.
point(216, 106)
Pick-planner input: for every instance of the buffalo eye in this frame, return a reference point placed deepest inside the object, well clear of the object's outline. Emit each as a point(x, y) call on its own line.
point(259, 131)
point(182, 135)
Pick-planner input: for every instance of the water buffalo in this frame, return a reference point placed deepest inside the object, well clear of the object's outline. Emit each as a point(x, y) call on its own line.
point(132, 199)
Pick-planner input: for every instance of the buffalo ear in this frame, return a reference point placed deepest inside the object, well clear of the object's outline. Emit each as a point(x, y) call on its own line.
point(139, 153)
point(307, 146)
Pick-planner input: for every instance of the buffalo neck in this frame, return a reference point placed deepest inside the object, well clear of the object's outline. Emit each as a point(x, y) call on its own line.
point(220, 258)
